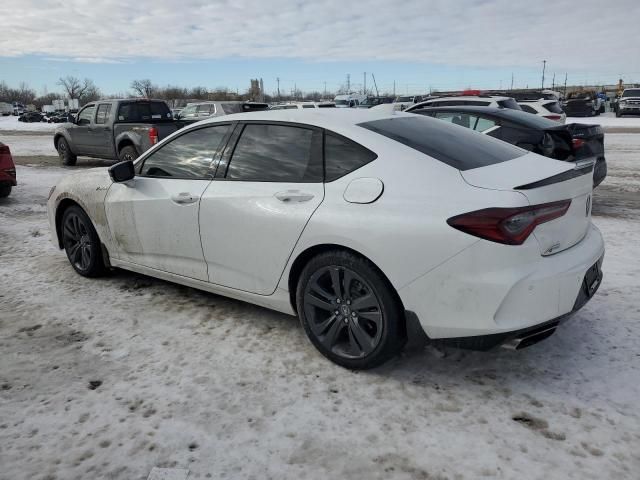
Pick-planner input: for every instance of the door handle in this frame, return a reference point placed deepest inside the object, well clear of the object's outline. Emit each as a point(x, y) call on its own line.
point(293, 196)
point(184, 198)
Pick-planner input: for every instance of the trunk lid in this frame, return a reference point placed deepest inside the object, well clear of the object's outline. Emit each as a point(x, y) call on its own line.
point(544, 180)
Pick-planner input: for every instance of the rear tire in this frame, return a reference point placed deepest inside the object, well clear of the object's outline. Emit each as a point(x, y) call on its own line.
point(81, 243)
point(67, 157)
point(349, 310)
point(618, 114)
point(128, 153)
point(5, 190)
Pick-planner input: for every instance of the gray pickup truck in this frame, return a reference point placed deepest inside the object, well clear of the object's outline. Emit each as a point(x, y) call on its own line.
point(114, 129)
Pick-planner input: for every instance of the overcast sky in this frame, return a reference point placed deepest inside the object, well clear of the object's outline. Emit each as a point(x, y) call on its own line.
point(418, 43)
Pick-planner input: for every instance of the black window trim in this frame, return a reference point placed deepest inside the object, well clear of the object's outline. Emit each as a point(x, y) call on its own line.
point(317, 154)
point(98, 105)
point(95, 112)
point(212, 164)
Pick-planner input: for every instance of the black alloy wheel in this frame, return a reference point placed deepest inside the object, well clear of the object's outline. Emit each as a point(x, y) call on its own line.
point(81, 243)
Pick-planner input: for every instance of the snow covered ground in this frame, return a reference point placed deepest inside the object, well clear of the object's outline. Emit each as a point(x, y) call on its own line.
point(108, 378)
point(12, 123)
point(608, 120)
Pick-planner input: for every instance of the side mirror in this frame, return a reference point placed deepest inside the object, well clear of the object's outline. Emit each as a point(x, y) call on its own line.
point(72, 118)
point(122, 172)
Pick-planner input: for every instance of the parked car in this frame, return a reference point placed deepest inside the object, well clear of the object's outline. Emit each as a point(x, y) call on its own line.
point(7, 171)
point(349, 100)
point(114, 129)
point(550, 109)
point(294, 105)
point(629, 102)
point(30, 117)
point(373, 101)
point(476, 100)
point(176, 112)
point(6, 109)
point(358, 223)
point(404, 101)
point(60, 117)
point(583, 104)
point(577, 143)
point(194, 112)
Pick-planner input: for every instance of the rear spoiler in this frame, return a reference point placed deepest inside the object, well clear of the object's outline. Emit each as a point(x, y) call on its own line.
point(581, 168)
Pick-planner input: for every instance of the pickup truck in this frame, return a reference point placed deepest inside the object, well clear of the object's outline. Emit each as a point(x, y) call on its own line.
point(114, 129)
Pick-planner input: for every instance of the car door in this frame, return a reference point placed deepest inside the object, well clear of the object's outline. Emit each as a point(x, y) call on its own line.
point(102, 132)
point(80, 134)
point(154, 219)
point(267, 186)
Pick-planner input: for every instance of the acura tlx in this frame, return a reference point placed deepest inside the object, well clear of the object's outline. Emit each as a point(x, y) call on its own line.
point(368, 226)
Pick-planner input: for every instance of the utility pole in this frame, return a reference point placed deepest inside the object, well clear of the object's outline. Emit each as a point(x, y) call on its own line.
point(325, 90)
point(364, 88)
point(375, 84)
point(565, 85)
point(511, 80)
point(394, 88)
point(348, 83)
point(278, 80)
point(544, 66)
point(553, 82)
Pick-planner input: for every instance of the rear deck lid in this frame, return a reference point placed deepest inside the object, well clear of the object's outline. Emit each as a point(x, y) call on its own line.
point(544, 180)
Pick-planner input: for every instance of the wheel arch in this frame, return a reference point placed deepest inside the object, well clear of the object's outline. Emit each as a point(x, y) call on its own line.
point(303, 258)
point(126, 139)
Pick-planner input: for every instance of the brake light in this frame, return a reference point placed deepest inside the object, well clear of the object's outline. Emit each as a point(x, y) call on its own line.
point(153, 135)
point(553, 117)
point(6, 160)
point(510, 226)
point(578, 143)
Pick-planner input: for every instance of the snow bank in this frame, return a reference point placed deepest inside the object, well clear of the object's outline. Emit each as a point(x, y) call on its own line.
point(12, 123)
point(608, 120)
point(24, 145)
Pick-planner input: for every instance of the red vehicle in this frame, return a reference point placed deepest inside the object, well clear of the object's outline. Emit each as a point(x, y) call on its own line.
point(7, 171)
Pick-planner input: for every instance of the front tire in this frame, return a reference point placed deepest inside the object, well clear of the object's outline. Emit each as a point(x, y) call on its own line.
point(81, 243)
point(349, 310)
point(67, 157)
point(5, 190)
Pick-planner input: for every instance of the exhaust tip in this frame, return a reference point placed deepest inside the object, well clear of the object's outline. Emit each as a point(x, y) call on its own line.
point(529, 339)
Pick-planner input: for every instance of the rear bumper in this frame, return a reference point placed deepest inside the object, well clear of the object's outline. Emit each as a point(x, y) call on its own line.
point(498, 291)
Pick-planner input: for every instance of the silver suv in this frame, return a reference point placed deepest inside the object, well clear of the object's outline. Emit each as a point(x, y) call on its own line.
point(195, 112)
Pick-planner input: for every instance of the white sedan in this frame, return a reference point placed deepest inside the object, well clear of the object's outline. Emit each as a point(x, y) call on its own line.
point(365, 225)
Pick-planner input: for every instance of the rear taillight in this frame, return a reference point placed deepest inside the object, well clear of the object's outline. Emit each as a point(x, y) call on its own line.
point(153, 135)
point(577, 143)
point(553, 117)
point(511, 226)
point(6, 160)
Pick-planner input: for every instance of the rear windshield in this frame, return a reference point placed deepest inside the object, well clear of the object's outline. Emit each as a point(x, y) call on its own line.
point(144, 112)
point(458, 147)
point(553, 107)
point(509, 103)
point(631, 93)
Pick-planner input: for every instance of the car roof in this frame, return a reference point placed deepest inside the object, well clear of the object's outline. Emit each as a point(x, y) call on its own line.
point(319, 117)
point(518, 116)
point(479, 98)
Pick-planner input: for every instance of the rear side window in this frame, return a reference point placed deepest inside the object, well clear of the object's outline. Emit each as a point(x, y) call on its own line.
point(103, 113)
point(457, 147)
point(343, 156)
point(187, 156)
point(276, 153)
point(308, 106)
point(553, 107)
point(206, 109)
point(509, 103)
point(528, 109)
point(144, 111)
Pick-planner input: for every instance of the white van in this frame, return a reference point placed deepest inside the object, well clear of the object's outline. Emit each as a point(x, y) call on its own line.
point(349, 100)
point(6, 109)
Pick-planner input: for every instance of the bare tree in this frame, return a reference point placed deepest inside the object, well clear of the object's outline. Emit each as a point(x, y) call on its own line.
point(72, 85)
point(90, 92)
point(145, 88)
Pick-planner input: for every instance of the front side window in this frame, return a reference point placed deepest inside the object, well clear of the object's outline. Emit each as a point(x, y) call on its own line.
point(187, 156)
point(104, 110)
point(343, 156)
point(275, 153)
point(308, 106)
point(206, 110)
point(85, 117)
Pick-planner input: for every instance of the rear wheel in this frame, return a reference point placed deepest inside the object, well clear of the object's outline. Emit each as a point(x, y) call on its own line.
point(618, 114)
point(349, 310)
point(128, 153)
point(5, 190)
point(81, 243)
point(64, 152)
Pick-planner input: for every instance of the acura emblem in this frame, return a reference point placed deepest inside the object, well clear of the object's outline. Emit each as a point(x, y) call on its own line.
point(588, 206)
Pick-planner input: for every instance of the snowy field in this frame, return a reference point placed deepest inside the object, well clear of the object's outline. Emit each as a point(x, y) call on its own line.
point(109, 378)
point(12, 123)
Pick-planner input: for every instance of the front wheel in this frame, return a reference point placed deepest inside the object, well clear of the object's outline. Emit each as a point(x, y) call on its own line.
point(349, 310)
point(81, 243)
point(66, 155)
